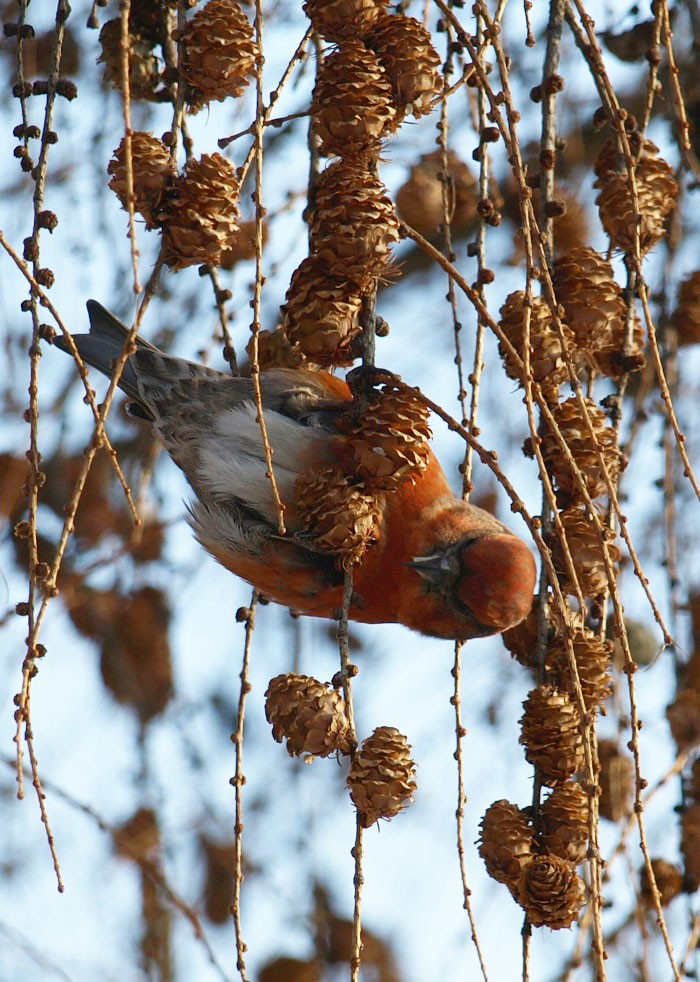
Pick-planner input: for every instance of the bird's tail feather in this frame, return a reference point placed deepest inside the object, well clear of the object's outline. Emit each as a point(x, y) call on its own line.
point(103, 346)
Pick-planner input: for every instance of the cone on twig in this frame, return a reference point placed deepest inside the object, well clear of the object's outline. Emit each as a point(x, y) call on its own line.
point(388, 440)
point(352, 102)
point(200, 219)
point(593, 659)
point(309, 715)
point(587, 553)
point(595, 310)
point(551, 732)
point(547, 364)
point(406, 52)
point(565, 822)
point(352, 224)
point(322, 314)
point(382, 778)
point(551, 892)
point(616, 781)
point(342, 518)
point(657, 190)
point(152, 171)
point(218, 53)
point(506, 843)
point(592, 444)
point(339, 20)
point(144, 69)
point(669, 882)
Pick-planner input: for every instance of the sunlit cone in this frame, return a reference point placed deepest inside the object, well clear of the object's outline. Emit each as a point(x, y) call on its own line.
point(342, 518)
point(338, 20)
point(152, 170)
point(506, 842)
point(684, 718)
point(551, 734)
point(657, 190)
point(669, 882)
point(389, 440)
point(616, 780)
point(322, 314)
point(686, 316)
point(353, 224)
point(594, 309)
point(551, 892)
point(589, 441)
point(200, 220)
point(546, 360)
point(352, 102)
point(309, 715)
point(586, 548)
point(218, 53)
point(565, 822)
point(382, 778)
point(144, 71)
point(420, 201)
point(406, 52)
point(593, 659)
point(690, 845)
point(276, 351)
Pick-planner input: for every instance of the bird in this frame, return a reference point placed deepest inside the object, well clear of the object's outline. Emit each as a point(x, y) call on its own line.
point(440, 566)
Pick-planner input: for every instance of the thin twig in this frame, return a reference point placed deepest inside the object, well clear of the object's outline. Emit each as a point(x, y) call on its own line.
point(238, 781)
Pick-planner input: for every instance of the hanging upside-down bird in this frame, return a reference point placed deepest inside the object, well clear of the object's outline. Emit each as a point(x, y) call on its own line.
point(440, 566)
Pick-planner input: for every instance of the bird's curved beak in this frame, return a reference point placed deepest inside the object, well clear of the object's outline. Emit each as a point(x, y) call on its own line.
point(432, 568)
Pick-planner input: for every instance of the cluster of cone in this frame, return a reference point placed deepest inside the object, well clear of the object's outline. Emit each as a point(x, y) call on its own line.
point(382, 66)
point(593, 332)
point(197, 210)
point(311, 717)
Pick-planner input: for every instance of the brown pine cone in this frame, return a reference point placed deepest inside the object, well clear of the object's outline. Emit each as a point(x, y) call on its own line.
point(352, 224)
point(588, 442)
point(547, 364)
point(594, 309)
point(338, 20)
point(565, 822)
point(218, 53)
point(322, 313)
point(506, 843)
point(200, 220)
point(352, 102)
point(686, 316)
point(551, 734)
point(389, 440)
point(343, 520)
point(382, 778)
point(152, 172)
point(405, 50)
point(657, 190)
point(309, 715)
point(551, 892)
